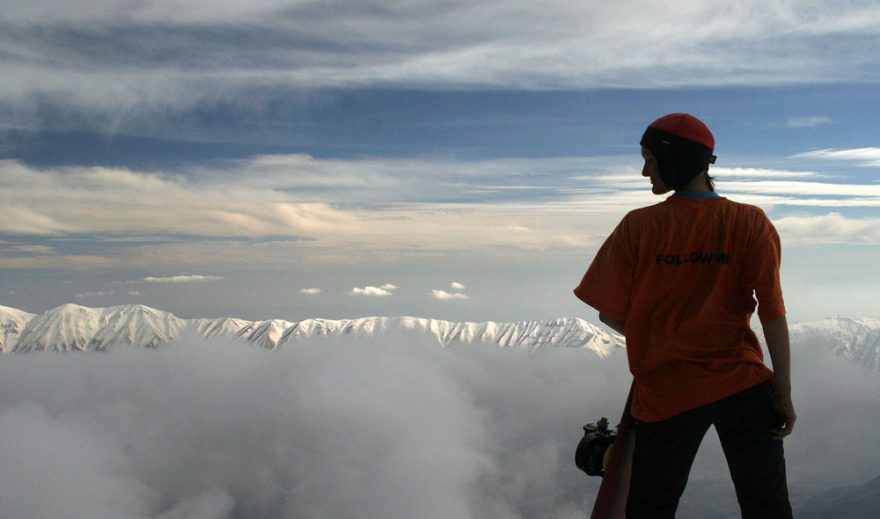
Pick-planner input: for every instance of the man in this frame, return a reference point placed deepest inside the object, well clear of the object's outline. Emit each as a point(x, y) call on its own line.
point(680, 280)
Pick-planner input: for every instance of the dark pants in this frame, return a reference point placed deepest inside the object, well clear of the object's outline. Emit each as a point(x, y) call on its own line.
point(664, 452)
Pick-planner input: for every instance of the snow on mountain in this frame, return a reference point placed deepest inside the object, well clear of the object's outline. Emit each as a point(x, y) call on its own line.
point(857, 340)
point(65, 328)
point(12, 322)
point(264, 333)
point(223, 327)
point(76, 328)
point(572, 333)
point(137, 325)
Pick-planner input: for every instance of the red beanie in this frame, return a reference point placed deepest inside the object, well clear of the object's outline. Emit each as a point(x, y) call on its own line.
point(687, 127)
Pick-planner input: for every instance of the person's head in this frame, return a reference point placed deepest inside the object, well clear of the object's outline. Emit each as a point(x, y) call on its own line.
point(677, 148)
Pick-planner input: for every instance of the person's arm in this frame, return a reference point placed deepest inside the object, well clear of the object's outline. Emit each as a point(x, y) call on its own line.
point(776, 334)
point(614, 324)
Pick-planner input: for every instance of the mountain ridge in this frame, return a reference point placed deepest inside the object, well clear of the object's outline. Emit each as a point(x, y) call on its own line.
point(73, 327)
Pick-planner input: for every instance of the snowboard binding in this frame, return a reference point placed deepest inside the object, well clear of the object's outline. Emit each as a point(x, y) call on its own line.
point(594, 449)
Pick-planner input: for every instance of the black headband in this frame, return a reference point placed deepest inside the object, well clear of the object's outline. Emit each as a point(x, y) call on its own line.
point(678, 159)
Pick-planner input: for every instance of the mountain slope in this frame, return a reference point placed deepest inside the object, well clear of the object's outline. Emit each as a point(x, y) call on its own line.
point(853, 502)
point(65, 328)
point(137, 325)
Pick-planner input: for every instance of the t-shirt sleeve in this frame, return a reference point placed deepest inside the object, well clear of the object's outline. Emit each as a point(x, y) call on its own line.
point(607, 284)
point(761, 270)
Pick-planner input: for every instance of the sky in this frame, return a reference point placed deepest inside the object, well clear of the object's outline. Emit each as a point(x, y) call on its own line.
point(454, 160)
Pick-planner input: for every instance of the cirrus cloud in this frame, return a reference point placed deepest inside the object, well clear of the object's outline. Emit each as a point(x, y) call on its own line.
point(172, 54)
point(808, 121)
point(869, 157)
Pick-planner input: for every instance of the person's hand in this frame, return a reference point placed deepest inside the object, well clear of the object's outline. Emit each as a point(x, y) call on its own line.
point(784, 409)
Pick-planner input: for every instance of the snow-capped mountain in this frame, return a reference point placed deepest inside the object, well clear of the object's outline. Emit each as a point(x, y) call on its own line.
point(78, 328)
point(65, 328)
point(12, 322)
point(75, 328)
point(857, 340)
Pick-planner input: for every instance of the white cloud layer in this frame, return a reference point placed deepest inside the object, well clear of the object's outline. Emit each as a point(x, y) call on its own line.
point(310, 291)
point(392, 428)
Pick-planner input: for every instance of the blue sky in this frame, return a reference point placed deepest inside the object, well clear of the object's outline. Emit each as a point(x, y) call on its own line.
point(450, 160)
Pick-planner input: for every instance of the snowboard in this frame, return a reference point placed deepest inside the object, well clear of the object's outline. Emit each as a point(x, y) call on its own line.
point(611, 499)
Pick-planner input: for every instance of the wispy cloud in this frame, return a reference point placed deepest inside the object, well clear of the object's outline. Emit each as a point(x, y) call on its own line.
point(310, 291)
point(859, 193)
point(194, 278)
point(32, 249)
point(457, 286)
point(763, 173)
point(175, 54)
point(869, 157)
point(109, 204)
point(73, 199)
point(808, 121)
point(85, 295)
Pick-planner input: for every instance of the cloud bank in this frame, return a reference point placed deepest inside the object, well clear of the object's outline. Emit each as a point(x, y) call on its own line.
point(384, 428)
point(320, 430)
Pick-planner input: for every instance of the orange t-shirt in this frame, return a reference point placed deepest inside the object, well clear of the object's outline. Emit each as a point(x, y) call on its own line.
point(683, 276)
